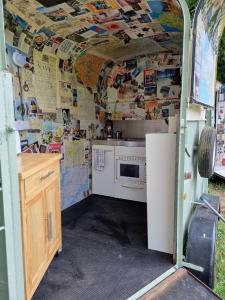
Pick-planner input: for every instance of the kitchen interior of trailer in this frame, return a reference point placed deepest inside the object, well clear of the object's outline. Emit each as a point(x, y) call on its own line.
point(100, 81)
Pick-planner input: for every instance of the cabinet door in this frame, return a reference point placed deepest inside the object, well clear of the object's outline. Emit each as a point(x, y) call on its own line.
point(52, 198)
point(103, 180)
point(35, 242)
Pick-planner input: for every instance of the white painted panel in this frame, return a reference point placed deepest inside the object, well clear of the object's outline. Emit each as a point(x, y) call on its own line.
point(160, 159)
point(103, 181)
point(130, 151)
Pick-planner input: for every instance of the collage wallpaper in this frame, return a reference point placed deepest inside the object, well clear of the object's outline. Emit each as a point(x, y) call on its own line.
point(77, 63)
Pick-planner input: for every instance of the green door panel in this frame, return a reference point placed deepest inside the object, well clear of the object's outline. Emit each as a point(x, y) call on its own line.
point(11, 264)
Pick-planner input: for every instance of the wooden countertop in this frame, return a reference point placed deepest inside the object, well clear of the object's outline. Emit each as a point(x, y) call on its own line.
point(30, 163)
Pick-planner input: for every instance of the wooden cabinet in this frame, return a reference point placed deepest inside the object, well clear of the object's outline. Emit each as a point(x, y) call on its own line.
point(39, 176)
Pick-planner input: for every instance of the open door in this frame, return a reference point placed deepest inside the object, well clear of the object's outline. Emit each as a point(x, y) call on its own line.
point(208, 27)
point(11, 265)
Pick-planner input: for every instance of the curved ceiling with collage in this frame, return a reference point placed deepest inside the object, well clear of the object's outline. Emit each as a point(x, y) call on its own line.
point(110, 29)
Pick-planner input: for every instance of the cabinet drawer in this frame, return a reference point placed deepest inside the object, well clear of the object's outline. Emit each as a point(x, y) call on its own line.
point(39, 180)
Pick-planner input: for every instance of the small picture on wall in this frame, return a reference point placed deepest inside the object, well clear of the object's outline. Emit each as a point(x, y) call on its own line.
point(149, 77)
point(54, 148)
point(66, 116)
point(151, 91)
point(23, 144)
point(173, 74)
point(165, 113)
point(74, 97)
point(43, 148)
point(131, 64)
point(163, 91)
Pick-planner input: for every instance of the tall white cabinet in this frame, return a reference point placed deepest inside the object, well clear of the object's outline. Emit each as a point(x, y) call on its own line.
point(160, 159)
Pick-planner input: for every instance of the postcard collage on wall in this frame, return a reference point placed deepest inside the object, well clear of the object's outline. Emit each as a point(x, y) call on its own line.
point(68, 77)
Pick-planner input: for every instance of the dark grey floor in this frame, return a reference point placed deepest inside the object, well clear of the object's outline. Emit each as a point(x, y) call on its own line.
point(104, 254)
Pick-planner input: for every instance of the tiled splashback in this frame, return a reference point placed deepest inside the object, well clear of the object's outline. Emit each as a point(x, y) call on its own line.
point(138, 129)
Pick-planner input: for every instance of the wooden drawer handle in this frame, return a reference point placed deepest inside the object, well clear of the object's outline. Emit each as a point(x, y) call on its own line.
point(47, 175)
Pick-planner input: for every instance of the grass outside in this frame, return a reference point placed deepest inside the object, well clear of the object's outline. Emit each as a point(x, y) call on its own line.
point(217, 187)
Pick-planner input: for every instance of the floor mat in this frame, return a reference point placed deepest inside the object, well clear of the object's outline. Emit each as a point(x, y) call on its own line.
point(104, 255)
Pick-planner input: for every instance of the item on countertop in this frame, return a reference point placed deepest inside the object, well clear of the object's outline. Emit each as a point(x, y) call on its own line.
point(109, 128)
point(118, 135)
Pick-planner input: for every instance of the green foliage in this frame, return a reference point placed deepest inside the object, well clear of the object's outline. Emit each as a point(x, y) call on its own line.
point(221, 58)
point(217, 187)
point(192, 5)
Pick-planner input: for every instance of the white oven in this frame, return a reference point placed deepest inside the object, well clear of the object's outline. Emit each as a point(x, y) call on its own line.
point(130, 173)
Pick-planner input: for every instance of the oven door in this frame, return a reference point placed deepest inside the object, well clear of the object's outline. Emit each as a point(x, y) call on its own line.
point(130, 172)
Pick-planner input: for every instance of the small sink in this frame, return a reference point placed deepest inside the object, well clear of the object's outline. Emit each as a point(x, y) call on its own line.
point(114, 139)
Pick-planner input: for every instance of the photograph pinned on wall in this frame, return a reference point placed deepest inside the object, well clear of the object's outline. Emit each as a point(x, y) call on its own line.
point(139, 31)
point(131, 64)
point(128, 14)
point(78, 8)
point(39, 41)
point(65, 49)
point(163, 91)
point(57, 13)
point(33, 106)
point(145, 18)
point(149, 77)
point(23, 144)
point(161, 37)
point(118, 81)
point(150, 92)
point(85, 32)
point(165, 59)
point(116, 26)
point(35, 147)
point(165, 112)
point(170, 73)
point(175, 92)
point(122, 35)
point(159, 7)
point(136, 72)
point(21, 109)
point(52, 44)
point(54, 148)
point(100, 6)
point(43, 148)
point(107, 16)
point(74, 97)
point(66, 116)
point(98, 30)
point(152, 111)
point(66, 65)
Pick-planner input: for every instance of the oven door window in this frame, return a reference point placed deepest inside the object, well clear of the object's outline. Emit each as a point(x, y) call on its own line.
point(128, 170)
